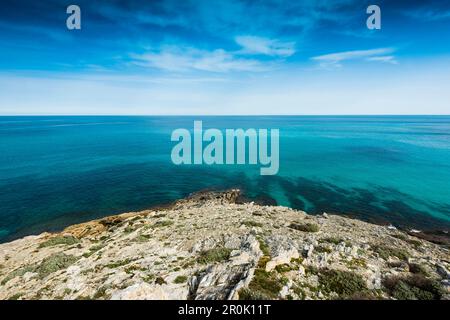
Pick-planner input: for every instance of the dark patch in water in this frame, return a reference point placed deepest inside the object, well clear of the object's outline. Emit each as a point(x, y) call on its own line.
point(358, 203)
point(262, 199)
point(31, 205)
point(377, 153)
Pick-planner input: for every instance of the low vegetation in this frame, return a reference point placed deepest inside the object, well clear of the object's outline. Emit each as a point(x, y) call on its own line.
point(355, 263)
point(418, 269)
point(332, 240)
point(117, 264)
point(305, 227)
point(264, 247)
point(403, 237)
point(413, 287)
point(162, 223)
point(53, 263)
point(17, 273)
point(180, 279)
point(142, 238)
point(214, 255)
point(323, 249)
point(385, 252)
point(344, 283)
point(160, 281)
point(251, 223)
point(59, 240)
point(263, 286)
point(93, 250)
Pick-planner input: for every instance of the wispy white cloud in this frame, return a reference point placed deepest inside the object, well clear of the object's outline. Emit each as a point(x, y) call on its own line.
point(179, 59)
point(265, 46)
point(336, 59)
point(184, 59)
point(385, 59)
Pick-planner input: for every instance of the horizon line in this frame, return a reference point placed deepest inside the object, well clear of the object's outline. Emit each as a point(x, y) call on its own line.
point(220, 115)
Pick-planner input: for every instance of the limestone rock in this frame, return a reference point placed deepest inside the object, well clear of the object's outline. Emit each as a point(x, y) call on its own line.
point(282, 253)
point(145, 291)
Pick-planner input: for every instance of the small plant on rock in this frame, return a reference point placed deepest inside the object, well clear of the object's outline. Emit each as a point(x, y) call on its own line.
point(59, 240)
point(214, 255)
point(306, 227)
point(180, 279)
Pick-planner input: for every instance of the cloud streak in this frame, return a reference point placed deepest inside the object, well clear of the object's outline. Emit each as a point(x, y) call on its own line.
point(264, 46)
point(336, 59)
point(385, 59)
point(184, 59)
point(179, 59)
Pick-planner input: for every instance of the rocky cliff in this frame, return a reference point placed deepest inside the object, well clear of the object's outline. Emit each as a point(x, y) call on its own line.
point(213, 246)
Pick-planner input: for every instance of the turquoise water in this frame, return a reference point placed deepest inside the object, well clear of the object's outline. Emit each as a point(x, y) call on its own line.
point(56, 171)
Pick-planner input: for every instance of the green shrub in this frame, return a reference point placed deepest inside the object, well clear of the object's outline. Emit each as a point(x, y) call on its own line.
point(363, 295)
point(129, 229)
point(247, 294)
point(149, 278)
point(356, 262)
point(162, 223)
point(306, 227)
point(101, 293)
point(117, 264)
point(251, 223)
point(323, 249)
point(333, 240)
point(214, 255)
point(64, 240)
point(281, 268)
point(344, 283)
point(264, 247)
point(17, 273)
point(16, 296)
point(385, 252)
point(263, 286)
point(418, 269)
point(160, 281)
point(53, 263)
point(142, 238)
point(263, 262)
point(299, 291)
point(414, 287)
point(48, 265)
point(311, 270)
point(93, 250)
point(134, 267)
point(403, 237)
point(297, 261)
point(180, 279)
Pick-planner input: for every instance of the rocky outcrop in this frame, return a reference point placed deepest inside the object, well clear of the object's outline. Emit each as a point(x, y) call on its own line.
point(212, 245)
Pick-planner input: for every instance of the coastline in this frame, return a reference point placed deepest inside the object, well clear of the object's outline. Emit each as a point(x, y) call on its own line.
point(438, 236)
point(216, 245)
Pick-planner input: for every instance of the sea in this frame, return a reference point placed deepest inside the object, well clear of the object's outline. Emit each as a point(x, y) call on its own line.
point(56, 171)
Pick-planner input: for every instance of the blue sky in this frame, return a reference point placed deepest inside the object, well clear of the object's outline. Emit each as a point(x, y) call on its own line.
point(224, 57)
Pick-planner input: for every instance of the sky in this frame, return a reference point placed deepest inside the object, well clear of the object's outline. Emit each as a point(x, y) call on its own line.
point(213, 57)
